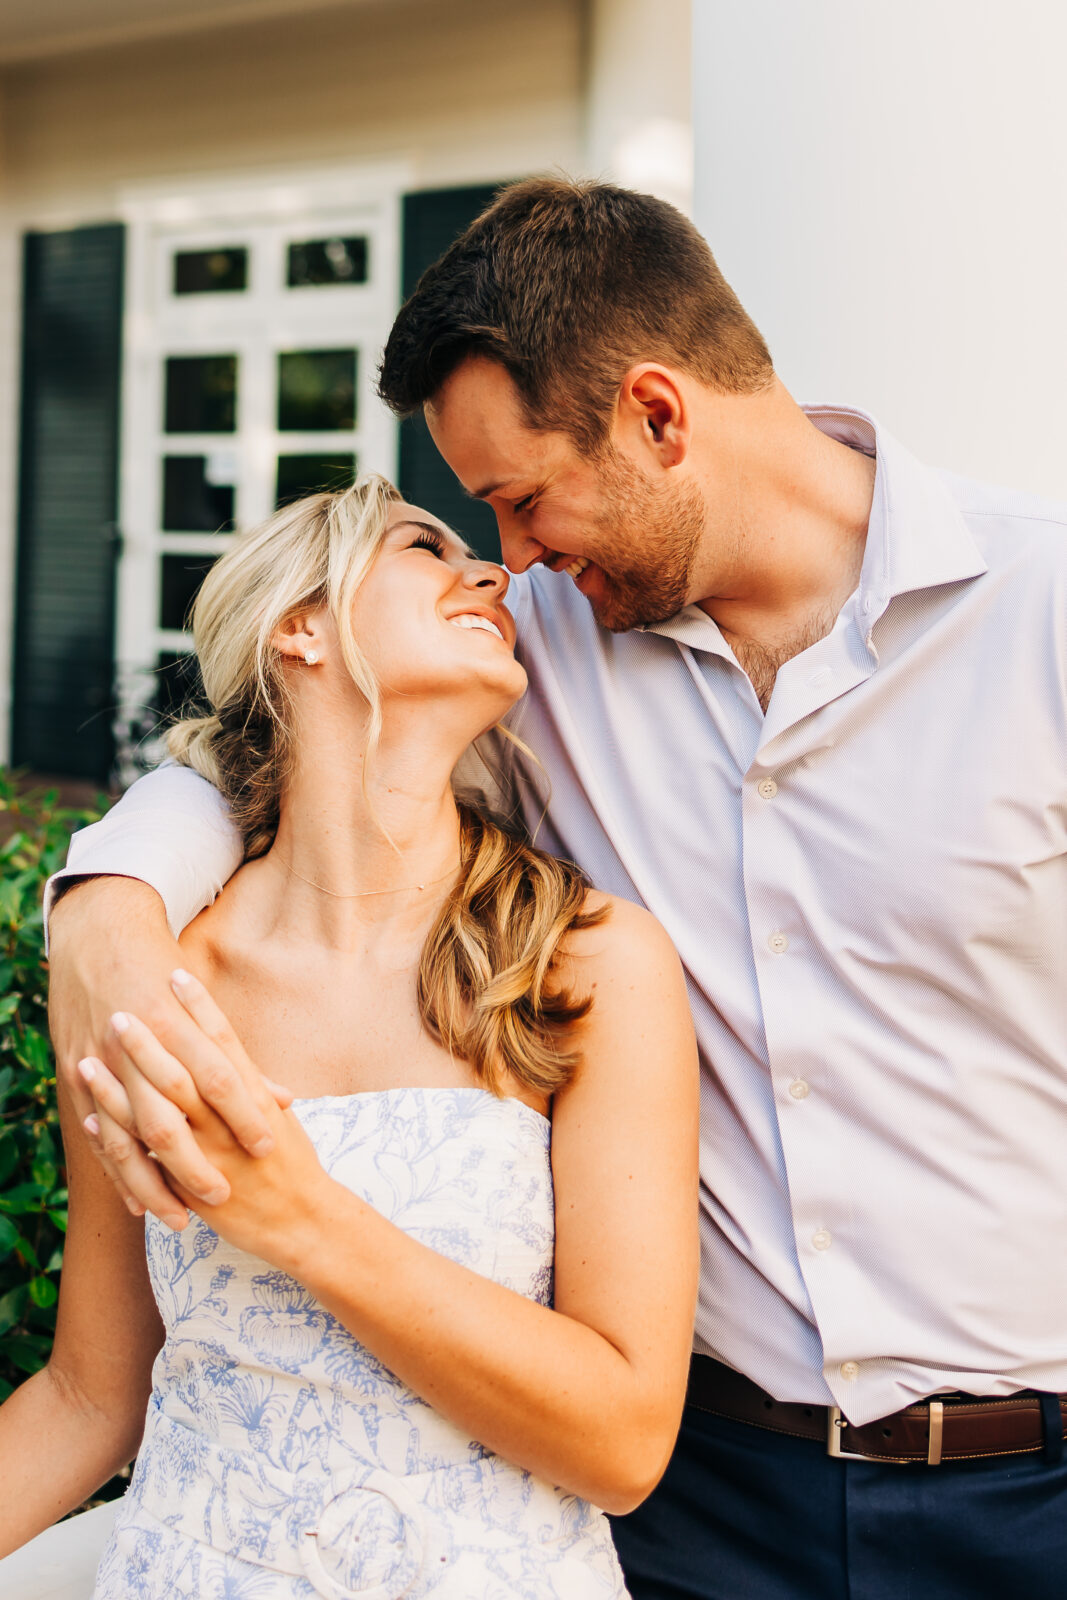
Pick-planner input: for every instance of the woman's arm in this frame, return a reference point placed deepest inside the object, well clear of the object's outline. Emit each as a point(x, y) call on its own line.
point(160, 855)
point(589, 1394)
point(74, 1424)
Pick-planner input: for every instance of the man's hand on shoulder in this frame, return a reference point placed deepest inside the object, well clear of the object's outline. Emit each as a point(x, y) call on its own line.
point(112, 952)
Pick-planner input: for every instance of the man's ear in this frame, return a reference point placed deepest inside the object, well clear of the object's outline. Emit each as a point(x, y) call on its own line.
point(653, 411)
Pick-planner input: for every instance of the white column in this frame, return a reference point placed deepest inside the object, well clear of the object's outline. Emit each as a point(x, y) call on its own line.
point(885, 187)
point(638, 118)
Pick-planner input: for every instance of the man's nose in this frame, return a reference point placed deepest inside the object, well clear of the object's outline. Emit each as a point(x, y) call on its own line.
point(518, 550)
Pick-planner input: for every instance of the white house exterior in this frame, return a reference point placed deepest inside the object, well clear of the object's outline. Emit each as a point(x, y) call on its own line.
point(211, 209)
point(211, 213)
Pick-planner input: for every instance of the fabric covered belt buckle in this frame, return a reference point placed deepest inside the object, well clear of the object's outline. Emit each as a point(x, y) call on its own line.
point(371, 1540)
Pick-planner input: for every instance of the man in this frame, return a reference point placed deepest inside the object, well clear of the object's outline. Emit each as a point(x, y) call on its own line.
point(806, 700)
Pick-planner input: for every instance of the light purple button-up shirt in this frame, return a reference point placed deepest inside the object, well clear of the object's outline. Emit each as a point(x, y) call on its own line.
point(868, 890)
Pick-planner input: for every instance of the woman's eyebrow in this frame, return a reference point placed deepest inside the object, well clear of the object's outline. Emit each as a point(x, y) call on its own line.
point(436, 529)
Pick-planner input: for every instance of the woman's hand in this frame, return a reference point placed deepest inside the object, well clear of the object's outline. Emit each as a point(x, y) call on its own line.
point(87, 974)
point(269, 1201)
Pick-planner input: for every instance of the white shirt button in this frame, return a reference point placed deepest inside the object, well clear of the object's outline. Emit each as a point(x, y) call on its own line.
point(766, 788)
point(850, 1371)
point(821, 1239)
point(778, 944)
point(799, 1089)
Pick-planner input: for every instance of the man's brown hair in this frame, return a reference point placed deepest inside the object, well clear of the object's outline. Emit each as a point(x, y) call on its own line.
point(567, 285)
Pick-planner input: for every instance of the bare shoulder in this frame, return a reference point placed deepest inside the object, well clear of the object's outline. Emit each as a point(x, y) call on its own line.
point(639, 1027)
point(627, 967)
point(625, 945)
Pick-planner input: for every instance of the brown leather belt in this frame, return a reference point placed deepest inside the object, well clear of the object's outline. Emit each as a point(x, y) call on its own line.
point(954, 1427)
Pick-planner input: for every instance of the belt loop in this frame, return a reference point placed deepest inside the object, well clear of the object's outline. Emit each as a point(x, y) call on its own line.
point(1052, 1422)
point(937, 1422)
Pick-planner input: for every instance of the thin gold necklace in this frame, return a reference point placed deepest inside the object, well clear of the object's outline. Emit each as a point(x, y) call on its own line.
point(362, 894)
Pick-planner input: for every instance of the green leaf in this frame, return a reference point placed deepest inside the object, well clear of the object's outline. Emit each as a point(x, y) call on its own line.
point(44, 1173)
point(33, 1051)
point(9, 1152)
point(27, 1254)
point(8, 1237)
point(28, 1351)
point(12, 1307)
point(22, 1197)
point(58, 1220)
point(5, 1390)
point(8, 1006)
point(10, 899)
point(43, 1291)
point(55, 1260)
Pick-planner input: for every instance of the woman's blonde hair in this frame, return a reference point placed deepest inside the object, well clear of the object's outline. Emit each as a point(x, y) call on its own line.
point(489, 982)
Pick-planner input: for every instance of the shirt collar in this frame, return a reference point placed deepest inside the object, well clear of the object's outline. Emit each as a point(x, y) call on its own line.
point(916, 537)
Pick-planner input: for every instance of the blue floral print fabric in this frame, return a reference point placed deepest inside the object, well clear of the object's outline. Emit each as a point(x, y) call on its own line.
point(281, 1459)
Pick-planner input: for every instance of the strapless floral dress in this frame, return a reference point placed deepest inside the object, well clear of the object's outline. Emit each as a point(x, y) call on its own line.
point(281, 1459)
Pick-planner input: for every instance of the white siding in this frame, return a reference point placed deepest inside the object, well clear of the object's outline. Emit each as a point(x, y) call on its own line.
point(466, 91)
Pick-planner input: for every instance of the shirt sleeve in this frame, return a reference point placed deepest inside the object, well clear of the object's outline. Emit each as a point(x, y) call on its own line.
point(173, 831)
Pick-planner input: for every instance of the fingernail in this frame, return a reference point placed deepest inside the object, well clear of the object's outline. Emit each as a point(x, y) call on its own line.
point(175, 1222)
point(180, 976)
point(134, 1206)
point(262, 1147)
point(120, 1022)
point(215, 1197)
point(87, 1070)
point(92, 1125)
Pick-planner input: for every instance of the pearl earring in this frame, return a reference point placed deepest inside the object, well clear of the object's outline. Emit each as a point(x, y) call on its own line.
point(311, 657)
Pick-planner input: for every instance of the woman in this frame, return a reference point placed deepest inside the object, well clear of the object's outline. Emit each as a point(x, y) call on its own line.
point(369, 1384)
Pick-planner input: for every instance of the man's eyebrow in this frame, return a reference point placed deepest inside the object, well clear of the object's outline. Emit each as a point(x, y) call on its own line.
point(490, 488)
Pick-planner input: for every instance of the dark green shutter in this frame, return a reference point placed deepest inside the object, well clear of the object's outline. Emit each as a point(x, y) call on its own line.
point(68, 487)
point(432, 219)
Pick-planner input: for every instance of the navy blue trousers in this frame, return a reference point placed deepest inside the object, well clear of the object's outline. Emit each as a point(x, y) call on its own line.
point(743, 1514)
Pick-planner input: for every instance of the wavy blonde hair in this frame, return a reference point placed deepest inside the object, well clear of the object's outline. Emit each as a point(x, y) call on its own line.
point(489, 985)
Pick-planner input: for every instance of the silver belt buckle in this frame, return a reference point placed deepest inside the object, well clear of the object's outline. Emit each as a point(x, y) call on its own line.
point(835, 1422)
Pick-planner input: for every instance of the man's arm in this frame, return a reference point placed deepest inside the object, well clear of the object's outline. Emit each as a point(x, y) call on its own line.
point(131, 883)
point(171, 830)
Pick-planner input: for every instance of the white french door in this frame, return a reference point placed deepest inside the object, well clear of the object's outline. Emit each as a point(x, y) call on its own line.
point(255, 318)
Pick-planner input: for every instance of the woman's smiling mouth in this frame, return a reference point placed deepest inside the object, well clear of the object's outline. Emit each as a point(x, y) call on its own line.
point(472, 619)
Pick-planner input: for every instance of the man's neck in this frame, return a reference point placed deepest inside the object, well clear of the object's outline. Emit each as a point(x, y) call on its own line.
point(799, 502)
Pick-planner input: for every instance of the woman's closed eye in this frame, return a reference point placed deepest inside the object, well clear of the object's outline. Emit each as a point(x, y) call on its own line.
point(428, 540)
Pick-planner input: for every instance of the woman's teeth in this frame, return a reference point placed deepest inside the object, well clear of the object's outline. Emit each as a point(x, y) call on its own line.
point(469, 620)
point(577, 567)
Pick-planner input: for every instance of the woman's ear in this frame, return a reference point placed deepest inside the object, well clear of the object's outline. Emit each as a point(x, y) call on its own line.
point(300, 638)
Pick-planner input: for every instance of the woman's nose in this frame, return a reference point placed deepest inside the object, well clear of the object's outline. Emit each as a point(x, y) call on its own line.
point(488, 577)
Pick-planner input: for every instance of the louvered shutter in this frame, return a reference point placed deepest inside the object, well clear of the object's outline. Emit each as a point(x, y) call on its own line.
point(67, 535)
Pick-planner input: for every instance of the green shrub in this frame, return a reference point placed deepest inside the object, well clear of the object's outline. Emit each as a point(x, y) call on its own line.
point(33, 1196)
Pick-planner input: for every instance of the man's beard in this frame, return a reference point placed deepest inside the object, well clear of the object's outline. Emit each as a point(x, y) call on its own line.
point(659, 529)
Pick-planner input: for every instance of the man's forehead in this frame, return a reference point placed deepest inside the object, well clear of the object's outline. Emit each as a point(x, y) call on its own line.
point(477, 425)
